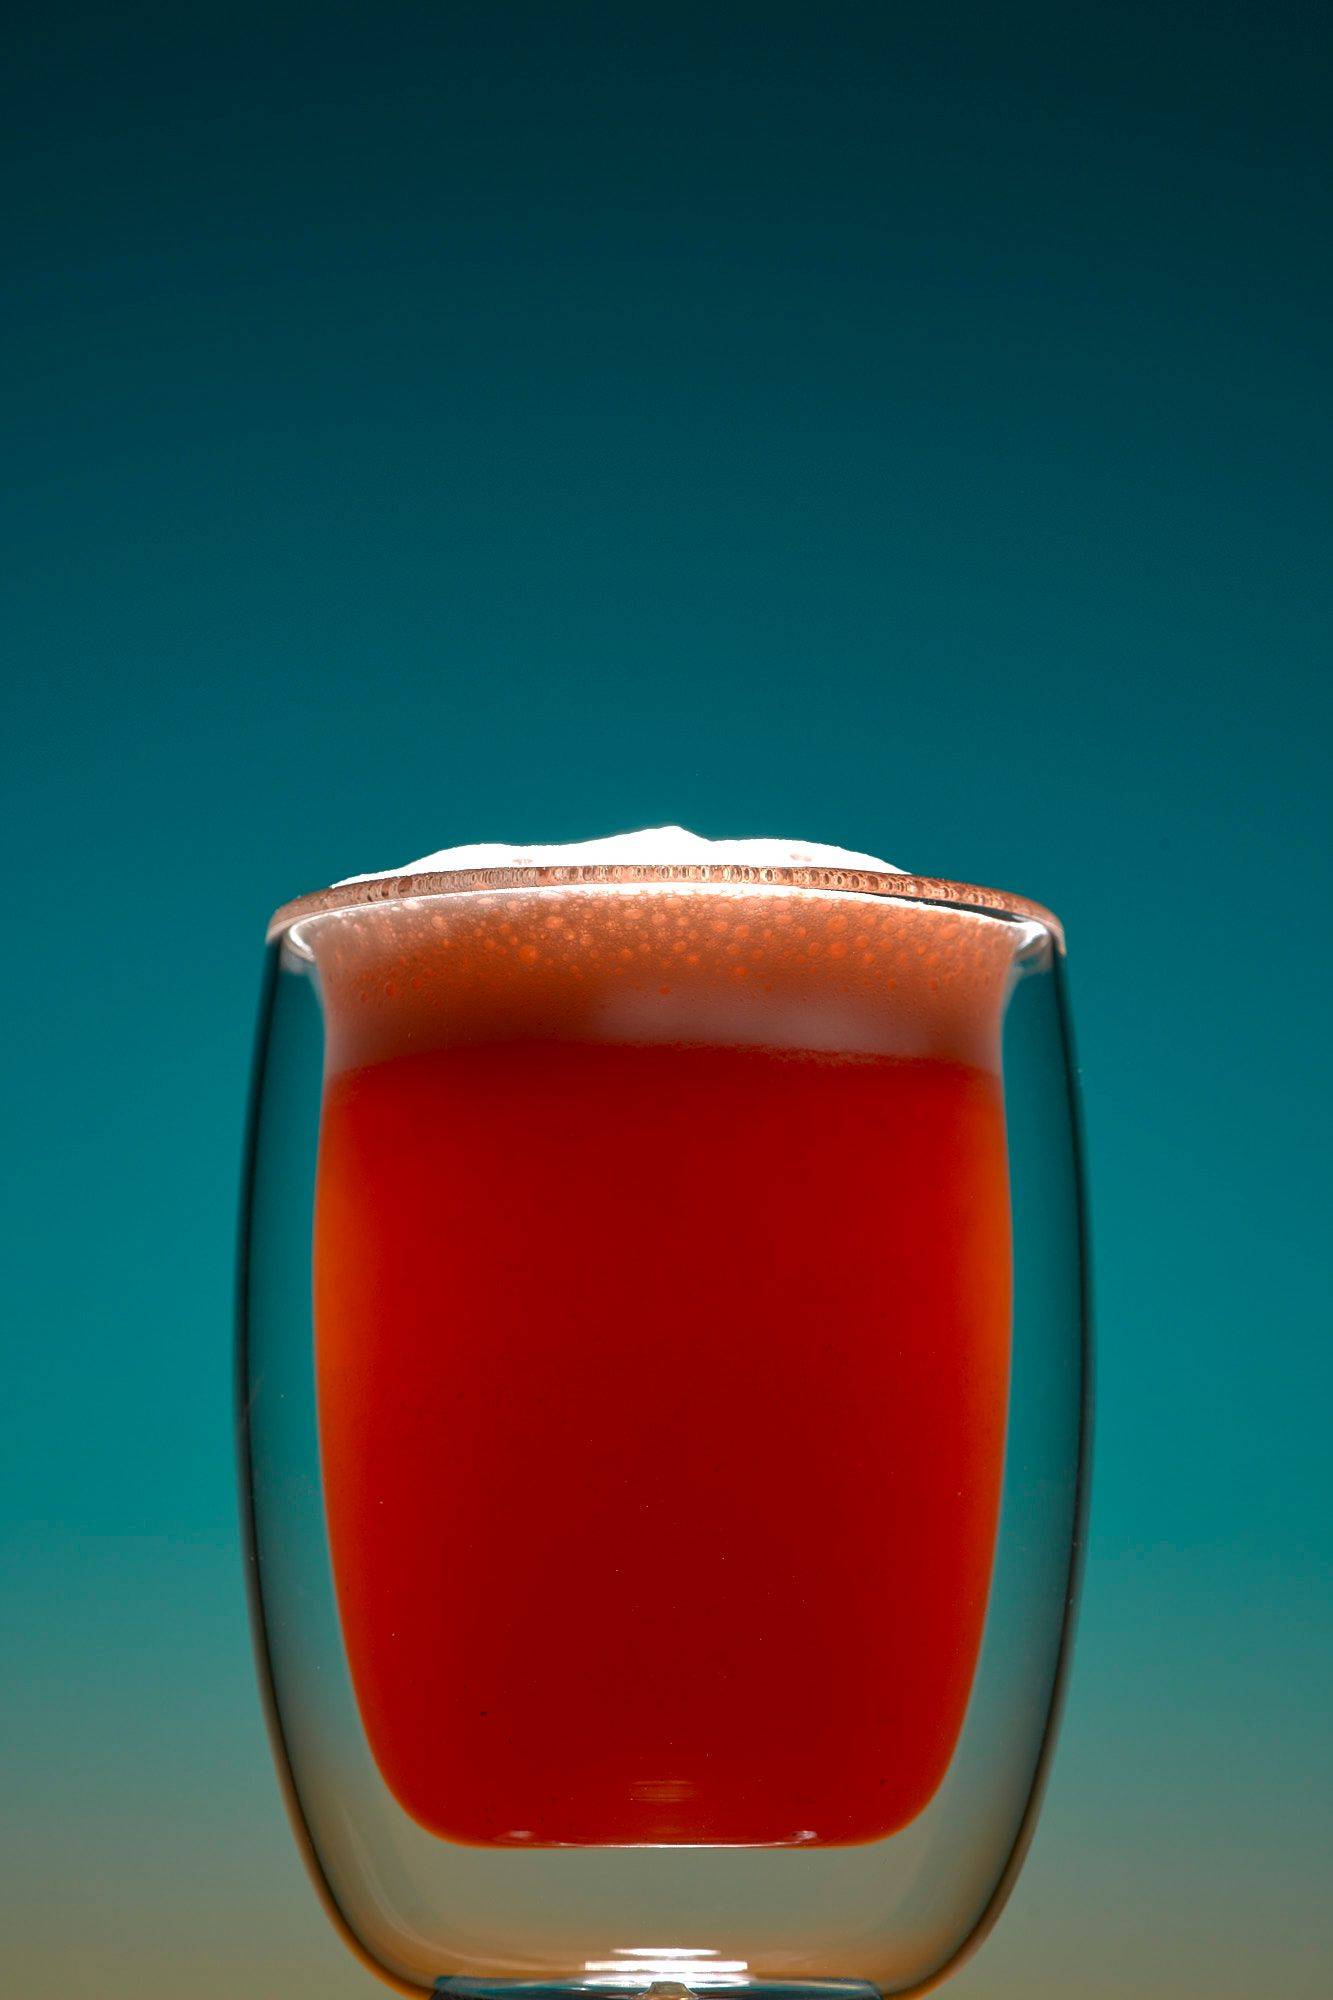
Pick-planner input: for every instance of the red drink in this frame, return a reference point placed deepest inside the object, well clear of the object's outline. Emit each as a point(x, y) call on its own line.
point(662, 1312)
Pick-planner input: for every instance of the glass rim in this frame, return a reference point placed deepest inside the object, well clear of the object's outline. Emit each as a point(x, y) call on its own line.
point(379, 890)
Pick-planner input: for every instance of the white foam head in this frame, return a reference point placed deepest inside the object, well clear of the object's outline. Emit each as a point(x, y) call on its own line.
point(652, 847)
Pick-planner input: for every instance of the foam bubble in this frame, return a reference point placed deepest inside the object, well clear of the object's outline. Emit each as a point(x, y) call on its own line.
point(651, 847)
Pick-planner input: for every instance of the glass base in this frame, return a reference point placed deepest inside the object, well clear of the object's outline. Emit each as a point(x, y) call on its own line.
point(702, 1987)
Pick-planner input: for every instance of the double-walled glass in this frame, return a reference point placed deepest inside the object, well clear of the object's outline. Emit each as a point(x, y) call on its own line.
point(663, 1381)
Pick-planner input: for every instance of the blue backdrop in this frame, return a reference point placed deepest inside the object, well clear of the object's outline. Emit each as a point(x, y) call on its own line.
point(898, 425)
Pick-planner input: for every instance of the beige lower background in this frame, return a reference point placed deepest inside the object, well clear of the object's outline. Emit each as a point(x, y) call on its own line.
point(146, 1856)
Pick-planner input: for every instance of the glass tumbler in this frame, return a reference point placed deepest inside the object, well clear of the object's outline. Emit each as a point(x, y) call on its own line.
point(663, 1385)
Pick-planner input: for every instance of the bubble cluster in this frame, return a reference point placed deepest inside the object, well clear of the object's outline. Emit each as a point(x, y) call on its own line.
point(832, 972)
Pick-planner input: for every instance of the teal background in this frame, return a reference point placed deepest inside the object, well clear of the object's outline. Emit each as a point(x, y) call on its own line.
point(899, 425)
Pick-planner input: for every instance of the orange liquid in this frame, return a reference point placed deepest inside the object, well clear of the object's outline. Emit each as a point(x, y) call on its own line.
point(662, 1397)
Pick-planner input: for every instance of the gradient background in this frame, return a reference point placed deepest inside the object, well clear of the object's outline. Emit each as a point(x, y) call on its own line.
point(902, 425)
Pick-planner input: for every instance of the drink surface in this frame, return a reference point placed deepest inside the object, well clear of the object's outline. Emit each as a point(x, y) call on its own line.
point(662, 1339)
